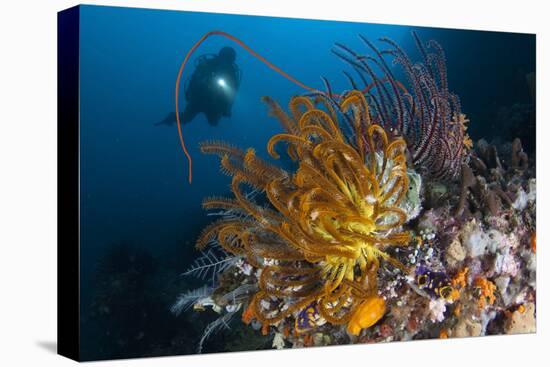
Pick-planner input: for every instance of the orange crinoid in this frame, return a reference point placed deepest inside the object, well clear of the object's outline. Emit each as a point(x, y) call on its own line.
point(327, 225)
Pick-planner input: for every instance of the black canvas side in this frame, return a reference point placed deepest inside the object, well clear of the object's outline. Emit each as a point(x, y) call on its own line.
point(68, 244)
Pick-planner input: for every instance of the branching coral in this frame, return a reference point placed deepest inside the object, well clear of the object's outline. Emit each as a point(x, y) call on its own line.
point(428, 115)
point(329, 224)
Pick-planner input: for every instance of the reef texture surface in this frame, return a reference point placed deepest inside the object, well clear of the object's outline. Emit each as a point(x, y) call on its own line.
point(389, 223)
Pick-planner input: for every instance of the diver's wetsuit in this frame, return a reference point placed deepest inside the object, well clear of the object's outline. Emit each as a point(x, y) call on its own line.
point(212, 87)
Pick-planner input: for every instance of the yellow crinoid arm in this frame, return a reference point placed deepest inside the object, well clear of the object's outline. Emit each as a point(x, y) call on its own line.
point(326, 227)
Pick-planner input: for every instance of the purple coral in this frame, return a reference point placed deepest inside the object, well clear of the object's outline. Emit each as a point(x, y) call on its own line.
point(424, 111)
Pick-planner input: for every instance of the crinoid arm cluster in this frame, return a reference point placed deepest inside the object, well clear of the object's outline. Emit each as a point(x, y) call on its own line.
point(425, 112)
point(317, 235)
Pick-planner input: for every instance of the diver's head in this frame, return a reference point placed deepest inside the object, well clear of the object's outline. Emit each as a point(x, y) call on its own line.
point(227, 54)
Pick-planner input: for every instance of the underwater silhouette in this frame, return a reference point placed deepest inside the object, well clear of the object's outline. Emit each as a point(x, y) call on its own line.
point(169, 120)
point(211, 88)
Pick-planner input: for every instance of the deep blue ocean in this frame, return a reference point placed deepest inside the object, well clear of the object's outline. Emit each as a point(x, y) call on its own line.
point(136, 204)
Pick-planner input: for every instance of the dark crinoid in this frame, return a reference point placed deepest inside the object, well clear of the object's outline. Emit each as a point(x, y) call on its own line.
point(423, 111)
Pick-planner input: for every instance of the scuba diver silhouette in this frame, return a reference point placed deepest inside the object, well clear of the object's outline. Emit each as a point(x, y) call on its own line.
point(179, 117)
point(211, 88)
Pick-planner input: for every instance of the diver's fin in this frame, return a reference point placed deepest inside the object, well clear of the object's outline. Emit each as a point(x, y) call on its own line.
point(168, 120)
point(171, 119)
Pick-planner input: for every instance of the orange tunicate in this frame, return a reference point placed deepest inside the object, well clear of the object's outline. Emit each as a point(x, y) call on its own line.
point(367, 314)
point(487, 292)
point(460, 280)
point(534, 242)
